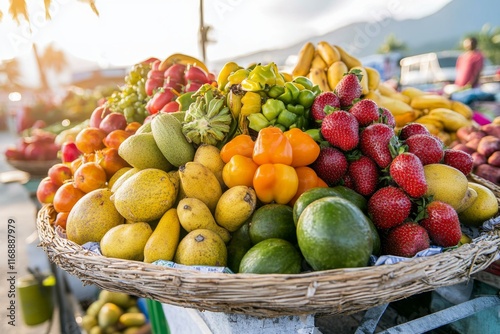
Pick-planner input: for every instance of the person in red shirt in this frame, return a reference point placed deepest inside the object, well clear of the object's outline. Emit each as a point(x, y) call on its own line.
point(469, 64)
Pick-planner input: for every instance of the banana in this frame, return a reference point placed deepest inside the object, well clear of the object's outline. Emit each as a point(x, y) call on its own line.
point(318, 62)
point(373, 78)
point(224, 73)
point(318, 77)
point(430, 101)
point(209, 156)
point(179, 58)
point(462, 108)
point(412, 92)
point(335, 72)
point(389, 91)
point(429, 119)
point(304, 60)
point(200, 182)
point(395, 106)
point(348, 59)
point(364, 79)
point(373, 95)
point(235, 206)
point(328, 52)
point(406, 117)
point(451, 120)
point(194, 214)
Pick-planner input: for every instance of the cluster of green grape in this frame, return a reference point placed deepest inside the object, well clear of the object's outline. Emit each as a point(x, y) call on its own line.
point(131, 98)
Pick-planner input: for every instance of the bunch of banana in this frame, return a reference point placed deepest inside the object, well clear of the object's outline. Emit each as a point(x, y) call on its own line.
point(440, 115)
point(325, 64)
point(260, 96)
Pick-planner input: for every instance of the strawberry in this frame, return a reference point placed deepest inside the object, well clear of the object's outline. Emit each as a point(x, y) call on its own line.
point(442, 224)
point(459, 159)
point(365, 111)
point(408, 172)
point(349, 88)
point(330, 165)
point(321, 101)
point(388, 207)
point(406, 240)
point(411, 129)
point(386, 117)
point(426, 147)
point(364, 174)
point(341, 129)
point(374, 142)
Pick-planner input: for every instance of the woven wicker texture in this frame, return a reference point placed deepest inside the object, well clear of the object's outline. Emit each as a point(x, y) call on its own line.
point(336, 291)
point(36, 168)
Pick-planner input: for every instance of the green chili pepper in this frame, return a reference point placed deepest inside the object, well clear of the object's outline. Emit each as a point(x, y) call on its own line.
point(297, 109)
point(293, 89)
point(286, 97)
point(275, 91)
point(304, 81)
point(257, 121)
point(306, 98)
point(272, 108)
point(286, 118)
point(315, 134)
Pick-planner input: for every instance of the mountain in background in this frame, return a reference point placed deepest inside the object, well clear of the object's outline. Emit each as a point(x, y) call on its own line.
point(443, 30)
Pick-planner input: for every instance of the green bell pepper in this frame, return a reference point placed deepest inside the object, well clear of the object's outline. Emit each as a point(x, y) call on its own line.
point(293, 89)
point(306, 98)
point(304, 81)
point(257, 121)
point(297, 109)
point(286, 118)
point(275, 91)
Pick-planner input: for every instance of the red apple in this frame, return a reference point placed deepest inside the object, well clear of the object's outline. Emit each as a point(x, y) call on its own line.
point(35, 151)
point(13, 153)
point(46, 191)
point(98, 115)
point(113, 121)
point(59, 173)
point(69, 152)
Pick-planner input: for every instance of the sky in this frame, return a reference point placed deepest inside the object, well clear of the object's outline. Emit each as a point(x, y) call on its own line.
point(128, 31)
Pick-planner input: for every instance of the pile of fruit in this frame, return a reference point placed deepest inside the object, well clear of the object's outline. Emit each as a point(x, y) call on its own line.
point(113, 312)
point(267, 172)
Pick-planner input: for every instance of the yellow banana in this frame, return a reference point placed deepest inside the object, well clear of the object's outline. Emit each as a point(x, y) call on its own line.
point(286, 76)
point(304, 60)
point(405, 118)
point(433, 120)
point(364, 79)
point(412, 92)
point(389, 91)
point(373, 95)
point(318, 77)
point(452, 120)
point(179, 58)
point(395, 106)
point(328, 52)
point(430, 101)
point(348, 59)
point(373, 78)
point(224, 73)
point(335, 72)
point(318, 62)
point(462, 108)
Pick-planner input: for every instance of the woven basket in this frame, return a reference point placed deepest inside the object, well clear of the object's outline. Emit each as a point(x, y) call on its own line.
point(336, 291)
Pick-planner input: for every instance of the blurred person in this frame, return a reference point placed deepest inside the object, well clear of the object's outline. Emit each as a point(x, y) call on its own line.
point(469, 65)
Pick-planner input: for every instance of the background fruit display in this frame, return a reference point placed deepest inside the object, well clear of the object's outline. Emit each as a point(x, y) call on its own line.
point(114, 312)
point(267, 172)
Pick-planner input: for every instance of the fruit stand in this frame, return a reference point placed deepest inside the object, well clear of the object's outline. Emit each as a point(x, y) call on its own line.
point(261, 193)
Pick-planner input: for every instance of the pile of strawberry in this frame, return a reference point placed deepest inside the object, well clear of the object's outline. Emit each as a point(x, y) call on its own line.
point(362, 150)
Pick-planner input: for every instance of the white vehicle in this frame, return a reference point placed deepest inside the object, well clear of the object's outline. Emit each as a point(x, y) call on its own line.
point(434, 68)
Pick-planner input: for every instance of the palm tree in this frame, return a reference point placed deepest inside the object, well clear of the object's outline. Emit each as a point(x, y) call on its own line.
point(392, 44)
point(51, 58)
point(488, 40)
point(9, 70)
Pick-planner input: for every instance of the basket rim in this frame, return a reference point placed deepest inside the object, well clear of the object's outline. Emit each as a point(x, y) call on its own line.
point(404, 276)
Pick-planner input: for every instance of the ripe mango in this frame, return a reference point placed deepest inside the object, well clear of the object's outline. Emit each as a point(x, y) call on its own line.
point(126, 241)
